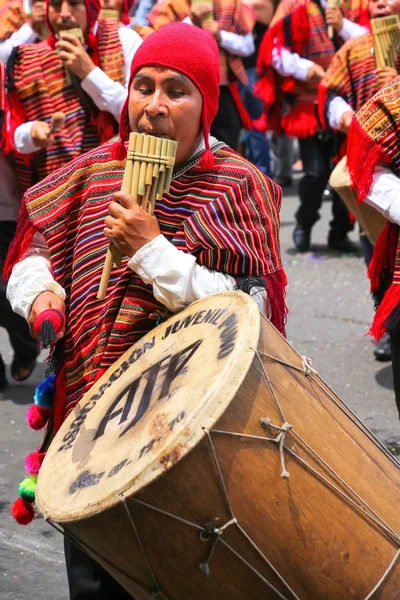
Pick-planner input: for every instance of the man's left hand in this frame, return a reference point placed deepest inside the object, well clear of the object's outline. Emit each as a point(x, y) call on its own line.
point(74, 56)
point(334, 17)
point(213, 27)
point(384, 75)
point(128, 226)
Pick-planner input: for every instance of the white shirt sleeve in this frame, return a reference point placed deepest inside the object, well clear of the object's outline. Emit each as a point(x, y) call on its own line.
point(24, 35)
point(240, 45)
point(23, 138)
point(290, 64)
point(109, 95)
point(176, 277)
point(30, 277)
point(384, 194)
point(351, 30)
point(336, 109)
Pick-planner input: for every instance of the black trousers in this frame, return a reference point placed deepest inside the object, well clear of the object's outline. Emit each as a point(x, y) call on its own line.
point(226, 125)
point(395, 343)
point(87, 580)
point(316, 154)
point(24, 346)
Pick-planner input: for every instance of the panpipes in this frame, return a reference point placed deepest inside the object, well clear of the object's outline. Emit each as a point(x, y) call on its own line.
point(386, 33)
point(333, 4)
point(75, 32)
point(148, 173)
point(109, 13)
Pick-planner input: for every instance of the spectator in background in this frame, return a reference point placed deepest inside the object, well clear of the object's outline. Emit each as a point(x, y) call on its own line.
point(33, 29)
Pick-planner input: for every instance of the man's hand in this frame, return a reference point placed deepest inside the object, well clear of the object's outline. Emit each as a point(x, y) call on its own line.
point(384, 75)
point(315, 73)
point(128, 226)
point(200, 12)
point(74, 56)
point(40, 134)
point(44, 301)
point(334, 17)
point(345, 121)
point(213, 27)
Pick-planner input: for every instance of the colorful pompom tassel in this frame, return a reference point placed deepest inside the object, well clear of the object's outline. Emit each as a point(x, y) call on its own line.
point(34, 462)
point(48, 325)
point(44, 393)
point(27, 488)
point(22, 511)
point(37, 417)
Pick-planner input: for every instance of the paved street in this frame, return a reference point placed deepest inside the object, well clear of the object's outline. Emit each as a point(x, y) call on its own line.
point(330, 311)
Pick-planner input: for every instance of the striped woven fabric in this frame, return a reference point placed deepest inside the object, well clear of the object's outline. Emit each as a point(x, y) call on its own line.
point(12, 17)
point(300, 27)
point(226, 217)
point(231, 15)
point(374, 137)
point(40, 88)
point(351, 75)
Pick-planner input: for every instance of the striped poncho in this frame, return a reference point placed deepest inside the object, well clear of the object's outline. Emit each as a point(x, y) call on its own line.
point(374, 137)
point(299, 26)
point(227, 217)
point(351, 75)
point(39, 88)
point(231, 15)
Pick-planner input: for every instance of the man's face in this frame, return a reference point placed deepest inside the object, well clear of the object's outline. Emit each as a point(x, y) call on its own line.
point(166, 103)
point(112, 5)
point(68, 14)
point(379, 8)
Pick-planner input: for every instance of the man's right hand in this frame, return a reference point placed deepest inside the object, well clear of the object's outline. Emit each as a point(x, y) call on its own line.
point(199, 12)
point(345, 121)
point(44, 301)
point(315, 73)
point(40, 134)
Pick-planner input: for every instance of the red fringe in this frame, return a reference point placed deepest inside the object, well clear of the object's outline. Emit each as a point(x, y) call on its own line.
point(362, 155)
point(300, 29)
point(265, 87)
point(104, 123)
point(118, 151)
point(207, 160)
point(322, 98)
point(243, 114)
point(384, 255)
point(276, 289)
point(390, 301)
point(21, 242)
point(60, 397)
point(301, 122)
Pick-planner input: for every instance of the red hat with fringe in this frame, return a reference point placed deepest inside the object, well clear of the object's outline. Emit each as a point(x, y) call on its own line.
point(191, 51)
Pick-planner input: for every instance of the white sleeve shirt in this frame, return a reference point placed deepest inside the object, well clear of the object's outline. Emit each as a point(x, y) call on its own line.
point(240, 45)
point(24, 35)
point(336, 109)
point(108, 95)
point(384, 194)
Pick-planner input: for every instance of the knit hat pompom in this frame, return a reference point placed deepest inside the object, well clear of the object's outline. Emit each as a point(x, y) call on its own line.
point(191, 51)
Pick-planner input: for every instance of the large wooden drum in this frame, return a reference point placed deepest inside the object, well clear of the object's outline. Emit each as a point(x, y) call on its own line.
point(211, 462)
point(371, 221)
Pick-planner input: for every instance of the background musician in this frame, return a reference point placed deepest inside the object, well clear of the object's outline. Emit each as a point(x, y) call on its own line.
point(217, 224)
point(373, 159)
point(293, 58)
point(32, 30)
point(87, 82)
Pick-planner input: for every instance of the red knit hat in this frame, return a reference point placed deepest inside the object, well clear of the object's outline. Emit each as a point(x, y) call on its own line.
point(191, 51)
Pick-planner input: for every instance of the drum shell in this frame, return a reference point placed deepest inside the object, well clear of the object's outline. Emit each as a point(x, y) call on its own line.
point(321, 545)
point(371, 221)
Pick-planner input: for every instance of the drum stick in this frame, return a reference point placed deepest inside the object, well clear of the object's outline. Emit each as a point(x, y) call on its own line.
point(57, 122)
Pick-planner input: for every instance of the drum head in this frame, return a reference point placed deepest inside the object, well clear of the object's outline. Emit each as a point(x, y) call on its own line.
point(150, 408)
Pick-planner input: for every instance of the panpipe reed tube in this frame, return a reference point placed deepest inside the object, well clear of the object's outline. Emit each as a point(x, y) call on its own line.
point(126, 186)
point(136, 167)
point(172, 153)
point(163, 169)
point(105, 276)
point(150, 171)
point(143, 166)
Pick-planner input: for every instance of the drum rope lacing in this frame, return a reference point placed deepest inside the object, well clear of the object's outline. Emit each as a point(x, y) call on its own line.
point(208, 531)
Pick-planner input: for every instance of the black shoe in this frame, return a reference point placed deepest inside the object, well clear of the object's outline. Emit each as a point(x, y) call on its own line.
point(301, 238)
point(343, 245)
point(383, 349)
point(284, 182)
point(3, 379)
